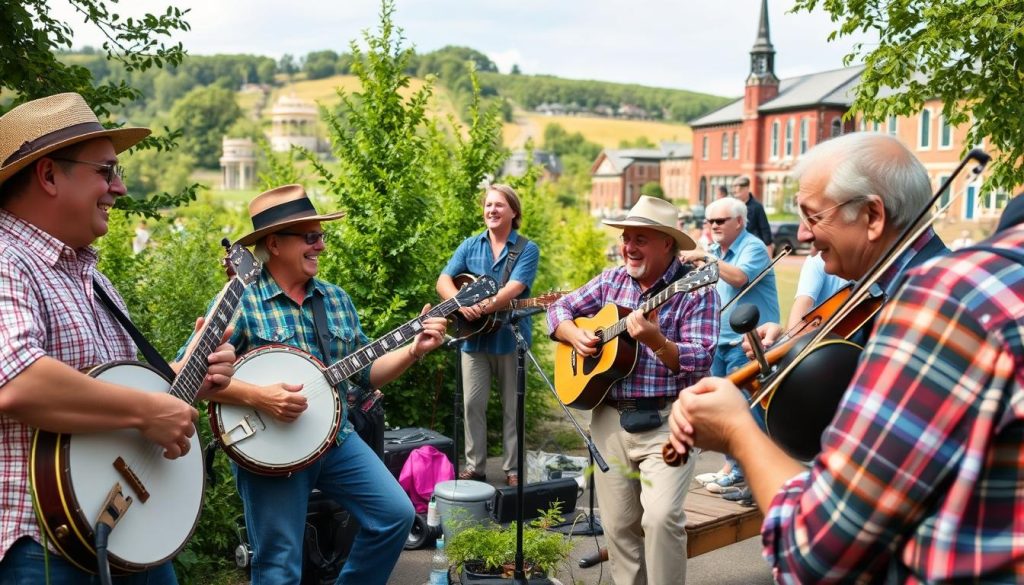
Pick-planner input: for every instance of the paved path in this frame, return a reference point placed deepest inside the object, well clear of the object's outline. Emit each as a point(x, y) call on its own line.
point(737, 564)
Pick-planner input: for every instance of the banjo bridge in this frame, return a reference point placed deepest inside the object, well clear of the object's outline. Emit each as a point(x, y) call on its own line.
point(133, 480)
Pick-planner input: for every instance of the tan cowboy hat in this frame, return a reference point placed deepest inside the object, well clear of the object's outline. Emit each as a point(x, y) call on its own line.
point(39, 127)
point(279, 208)
point(656, 214)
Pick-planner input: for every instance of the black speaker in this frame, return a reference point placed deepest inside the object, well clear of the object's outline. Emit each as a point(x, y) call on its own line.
point(537, 498)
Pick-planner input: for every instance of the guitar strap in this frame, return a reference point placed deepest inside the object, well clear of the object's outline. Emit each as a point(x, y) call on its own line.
point(510, 260)
point(148, 351)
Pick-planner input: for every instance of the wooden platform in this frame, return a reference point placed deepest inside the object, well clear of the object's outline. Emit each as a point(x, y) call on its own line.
point(713, 522)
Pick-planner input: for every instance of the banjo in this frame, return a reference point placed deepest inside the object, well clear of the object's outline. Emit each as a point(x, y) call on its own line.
point(264, 445)
point(78, 477)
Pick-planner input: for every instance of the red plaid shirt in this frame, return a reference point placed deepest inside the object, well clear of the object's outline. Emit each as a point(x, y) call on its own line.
point(921, 474)
point(47, 308)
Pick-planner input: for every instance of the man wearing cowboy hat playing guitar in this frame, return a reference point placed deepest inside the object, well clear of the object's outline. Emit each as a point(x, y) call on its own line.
point(59, 178)
point(644, 520)
point(278, 309)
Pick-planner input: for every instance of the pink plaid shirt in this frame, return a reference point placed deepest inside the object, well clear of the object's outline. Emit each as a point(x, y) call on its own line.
point(47, 308)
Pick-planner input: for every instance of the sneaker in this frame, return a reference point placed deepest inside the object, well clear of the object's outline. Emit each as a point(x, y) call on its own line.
point(731, 482)
point(739, 495)
point(706, 478)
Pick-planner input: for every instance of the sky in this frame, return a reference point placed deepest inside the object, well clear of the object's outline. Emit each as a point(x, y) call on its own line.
point(681, 44)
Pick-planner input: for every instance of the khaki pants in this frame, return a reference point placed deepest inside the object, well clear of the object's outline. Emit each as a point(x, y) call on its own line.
point(644, 520)
point(478, 369)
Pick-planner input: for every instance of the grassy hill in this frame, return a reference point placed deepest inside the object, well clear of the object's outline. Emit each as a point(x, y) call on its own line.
point(608, 132)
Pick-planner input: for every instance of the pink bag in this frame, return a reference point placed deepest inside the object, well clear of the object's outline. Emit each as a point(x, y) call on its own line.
point(425, 468)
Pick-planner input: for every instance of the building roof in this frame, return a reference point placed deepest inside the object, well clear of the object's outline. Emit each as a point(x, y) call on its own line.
point(620, 158)
point(827, 88)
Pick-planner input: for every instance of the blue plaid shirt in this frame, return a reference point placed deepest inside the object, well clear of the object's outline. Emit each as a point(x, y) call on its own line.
point(690, 320)
point(474, 256)
point(750, 255)
point(268, 316)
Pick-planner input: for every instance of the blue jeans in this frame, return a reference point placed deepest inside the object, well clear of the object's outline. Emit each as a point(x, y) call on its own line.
point(727, 359)
point(25, 564)
point(350, 474)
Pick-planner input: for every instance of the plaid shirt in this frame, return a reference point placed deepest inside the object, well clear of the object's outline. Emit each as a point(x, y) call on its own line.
point(690, 320)
point(268, 316)
point(47, 308)
point(474, 256)
point(921, 476)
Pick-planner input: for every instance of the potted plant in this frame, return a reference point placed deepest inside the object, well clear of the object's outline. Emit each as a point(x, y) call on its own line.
point(487, 553)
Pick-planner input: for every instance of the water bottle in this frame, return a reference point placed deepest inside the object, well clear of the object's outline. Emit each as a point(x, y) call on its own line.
point(433, 518)
point(439, 565)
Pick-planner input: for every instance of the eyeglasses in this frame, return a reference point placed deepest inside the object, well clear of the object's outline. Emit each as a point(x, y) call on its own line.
point(310, 237)
point(112, 170)
point(718, 220)
point(816, 218)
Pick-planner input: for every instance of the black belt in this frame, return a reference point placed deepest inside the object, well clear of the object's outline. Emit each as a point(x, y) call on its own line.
point(656, 403)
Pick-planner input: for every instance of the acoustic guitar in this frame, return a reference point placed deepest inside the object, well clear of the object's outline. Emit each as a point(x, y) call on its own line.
point(76, 477)
point(583, 381)
point(461, 328)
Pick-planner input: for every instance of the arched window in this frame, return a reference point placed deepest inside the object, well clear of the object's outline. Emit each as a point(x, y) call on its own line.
point(774, 147)
point(725, 146)
point(705, 147)
point(789, 138)
point(945, 133)
point(736, 145)
point(804, 135)
point(837, 127)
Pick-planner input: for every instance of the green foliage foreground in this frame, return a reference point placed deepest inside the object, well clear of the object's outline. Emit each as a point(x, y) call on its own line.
point(411, 191)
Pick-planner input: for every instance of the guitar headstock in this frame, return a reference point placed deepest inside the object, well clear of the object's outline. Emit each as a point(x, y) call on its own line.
point(476, 291)
point(239, 262)
point(704, 276)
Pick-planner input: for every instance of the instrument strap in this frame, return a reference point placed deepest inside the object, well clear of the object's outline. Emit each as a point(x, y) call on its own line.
point(510, 259)
point(148, 351)
point(320, 325)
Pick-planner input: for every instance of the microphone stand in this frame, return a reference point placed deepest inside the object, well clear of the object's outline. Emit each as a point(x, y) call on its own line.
point(523, 350)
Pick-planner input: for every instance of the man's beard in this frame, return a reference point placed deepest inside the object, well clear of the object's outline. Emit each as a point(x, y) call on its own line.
point(637, 272)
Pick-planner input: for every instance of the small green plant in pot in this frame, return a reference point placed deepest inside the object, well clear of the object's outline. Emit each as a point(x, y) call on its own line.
point(490, 549)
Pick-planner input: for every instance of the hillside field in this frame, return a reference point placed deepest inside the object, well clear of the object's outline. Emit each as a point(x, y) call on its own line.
point(608, 132)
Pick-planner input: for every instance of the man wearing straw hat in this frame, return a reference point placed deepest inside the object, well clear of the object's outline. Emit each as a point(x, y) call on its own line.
point(59, 178)
point(278, 309)
point(644, 520)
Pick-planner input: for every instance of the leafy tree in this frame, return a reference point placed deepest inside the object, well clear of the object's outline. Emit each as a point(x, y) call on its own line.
point(561, 142)
point(287, 65)
point(208, 113)
point(320, 64)
point(967, 53)
point(653, 189)
point(515, 70)
point(30, 67)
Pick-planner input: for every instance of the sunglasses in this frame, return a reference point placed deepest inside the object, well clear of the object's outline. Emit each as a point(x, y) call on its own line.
point(310, 237)
point(718, 220)
point(110, 170)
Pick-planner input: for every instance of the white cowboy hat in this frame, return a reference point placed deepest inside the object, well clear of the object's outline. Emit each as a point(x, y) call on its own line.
point(39, 127)
point(656, 214)
point(279, 208)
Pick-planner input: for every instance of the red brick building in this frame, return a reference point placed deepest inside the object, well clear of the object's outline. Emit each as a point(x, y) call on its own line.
point(764, 133)
point(618, 175)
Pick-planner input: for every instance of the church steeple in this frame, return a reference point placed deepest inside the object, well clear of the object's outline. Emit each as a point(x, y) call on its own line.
point(762, 55)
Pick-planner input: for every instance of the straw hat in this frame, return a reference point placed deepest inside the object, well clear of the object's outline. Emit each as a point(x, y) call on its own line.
point(656, 214)
point(39, 127)
point(279, 208)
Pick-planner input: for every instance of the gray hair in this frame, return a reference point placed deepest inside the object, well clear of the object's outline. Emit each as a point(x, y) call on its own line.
point(260, 251)
point(731, 205)
point(869, 163)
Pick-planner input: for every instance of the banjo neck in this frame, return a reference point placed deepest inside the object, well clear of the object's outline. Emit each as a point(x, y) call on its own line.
point(354, 362)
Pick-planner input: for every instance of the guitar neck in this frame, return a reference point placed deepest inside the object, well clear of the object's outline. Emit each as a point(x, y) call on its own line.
point(364, 356)
point(190, 378)
point(647, 306)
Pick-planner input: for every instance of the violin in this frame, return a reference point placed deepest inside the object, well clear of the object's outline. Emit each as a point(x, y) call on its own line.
point(800, 381)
